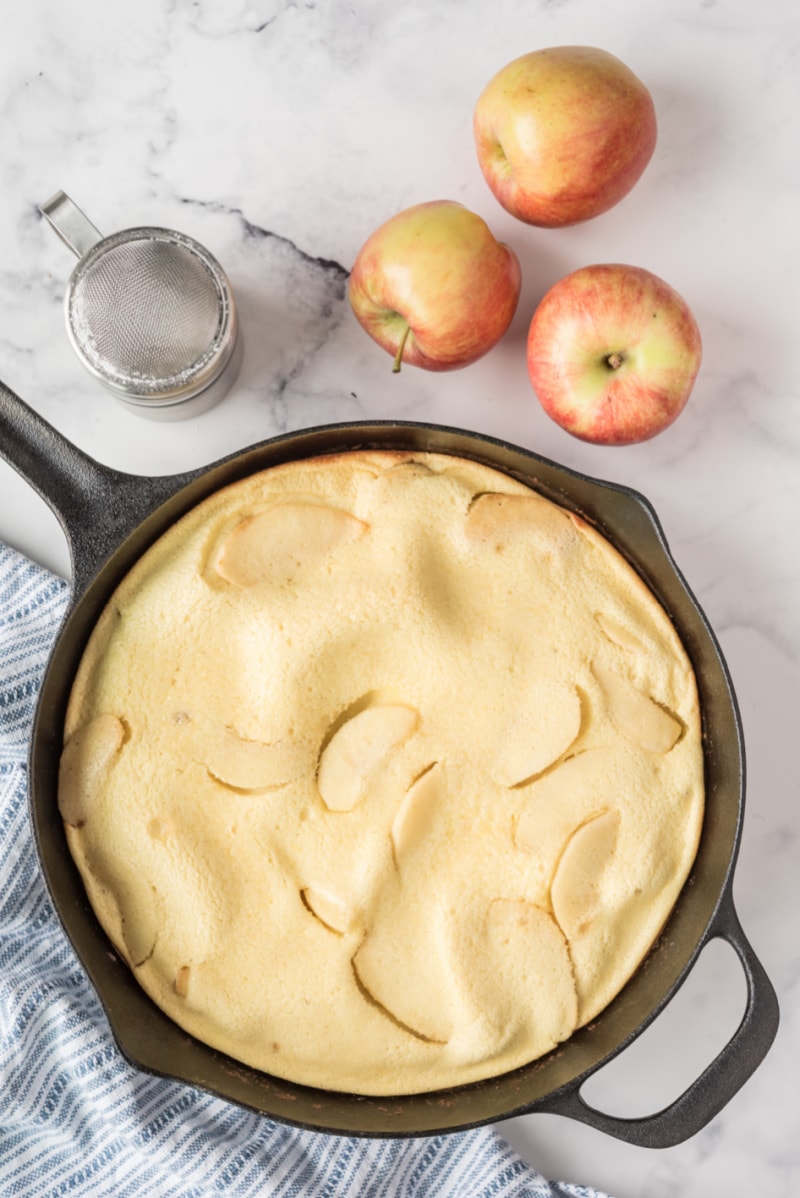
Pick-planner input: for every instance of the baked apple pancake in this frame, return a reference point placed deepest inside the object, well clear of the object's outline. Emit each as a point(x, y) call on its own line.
point(383, 772)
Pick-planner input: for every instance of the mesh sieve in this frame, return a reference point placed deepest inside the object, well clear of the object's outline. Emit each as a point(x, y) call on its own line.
point(149, 311)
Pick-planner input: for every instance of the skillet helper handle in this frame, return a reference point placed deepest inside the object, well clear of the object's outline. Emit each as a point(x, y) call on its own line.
point(96, 506)
point(720, 1081)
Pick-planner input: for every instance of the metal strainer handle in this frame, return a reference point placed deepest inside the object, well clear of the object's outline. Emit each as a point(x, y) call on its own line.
point(72, 225)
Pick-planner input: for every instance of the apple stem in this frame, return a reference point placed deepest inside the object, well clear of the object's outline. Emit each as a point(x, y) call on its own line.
point(615, 360)
point(398, 358)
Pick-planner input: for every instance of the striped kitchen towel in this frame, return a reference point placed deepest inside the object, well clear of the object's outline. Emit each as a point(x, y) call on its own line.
point(75, 1117)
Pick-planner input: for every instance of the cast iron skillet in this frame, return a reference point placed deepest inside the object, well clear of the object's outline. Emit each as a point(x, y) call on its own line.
point(110, 518)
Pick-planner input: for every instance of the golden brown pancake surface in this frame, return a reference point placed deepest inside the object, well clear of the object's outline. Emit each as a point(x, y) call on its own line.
point(383, 772)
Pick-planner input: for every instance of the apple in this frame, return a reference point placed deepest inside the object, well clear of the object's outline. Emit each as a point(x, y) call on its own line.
point(613, 352)
point(562, 134)
point(434, 287)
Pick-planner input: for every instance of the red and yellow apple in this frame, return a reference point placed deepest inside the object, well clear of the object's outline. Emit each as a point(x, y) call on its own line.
point(434, 287)
point(613, 352)
point(563, 134)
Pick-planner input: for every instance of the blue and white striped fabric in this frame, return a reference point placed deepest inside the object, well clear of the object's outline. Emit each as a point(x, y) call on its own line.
point(75, 1118)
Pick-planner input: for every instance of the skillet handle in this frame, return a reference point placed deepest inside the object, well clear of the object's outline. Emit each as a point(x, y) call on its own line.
point(720, 1081)
point(96, 506)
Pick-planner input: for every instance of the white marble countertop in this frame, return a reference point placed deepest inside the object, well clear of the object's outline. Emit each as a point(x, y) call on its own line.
point(280, 133)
